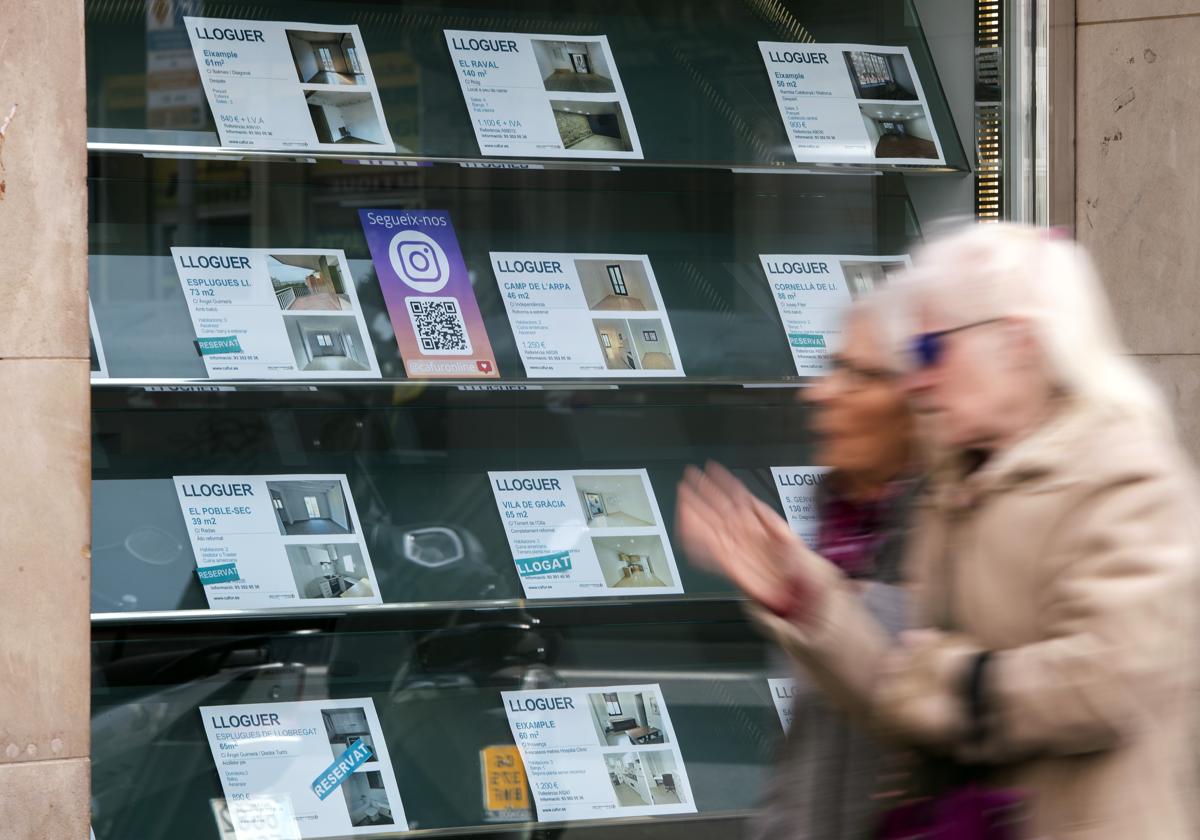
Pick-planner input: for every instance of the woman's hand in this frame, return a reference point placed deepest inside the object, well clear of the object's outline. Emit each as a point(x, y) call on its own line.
point(723, 527)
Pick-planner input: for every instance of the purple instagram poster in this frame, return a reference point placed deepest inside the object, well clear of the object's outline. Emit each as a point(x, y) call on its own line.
point(428, 294)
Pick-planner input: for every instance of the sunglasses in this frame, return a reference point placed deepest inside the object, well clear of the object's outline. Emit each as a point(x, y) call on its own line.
point(929, 348)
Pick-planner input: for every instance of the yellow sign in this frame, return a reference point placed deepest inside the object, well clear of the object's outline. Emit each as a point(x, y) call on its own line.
point(505, 791)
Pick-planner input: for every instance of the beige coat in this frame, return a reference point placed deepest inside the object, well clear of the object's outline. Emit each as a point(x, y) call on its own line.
point(1074, 557)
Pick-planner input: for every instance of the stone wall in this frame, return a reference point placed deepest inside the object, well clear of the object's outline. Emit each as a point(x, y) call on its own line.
point(45, 461)
point(1137, 191)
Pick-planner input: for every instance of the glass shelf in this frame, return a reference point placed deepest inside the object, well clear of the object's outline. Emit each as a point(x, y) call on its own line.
point(410, 465)
point(702, 232)
point(720, 109)
point(153, 774)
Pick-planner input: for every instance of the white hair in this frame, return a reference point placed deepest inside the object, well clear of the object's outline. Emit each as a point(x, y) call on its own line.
point(1011, 270)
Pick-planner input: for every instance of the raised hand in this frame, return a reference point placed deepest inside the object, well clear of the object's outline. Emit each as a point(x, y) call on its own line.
point(724, 528)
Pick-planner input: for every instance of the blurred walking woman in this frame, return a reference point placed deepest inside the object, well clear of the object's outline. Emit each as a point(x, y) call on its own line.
point(827, 774)
point(1053, 563)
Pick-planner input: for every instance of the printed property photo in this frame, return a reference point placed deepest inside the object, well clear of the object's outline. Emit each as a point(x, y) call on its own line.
point(644, 778)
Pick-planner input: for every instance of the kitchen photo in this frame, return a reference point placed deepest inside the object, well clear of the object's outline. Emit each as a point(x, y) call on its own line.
point(306, 508)
point(329, 570)
point(614, 501)
point(345, 726)
point(623, 718)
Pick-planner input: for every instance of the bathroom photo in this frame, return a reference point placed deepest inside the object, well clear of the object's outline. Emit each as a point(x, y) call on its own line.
point(622, 717)
point(329, 570)
point(631, 562)
point(367, 800)
point(614, 501)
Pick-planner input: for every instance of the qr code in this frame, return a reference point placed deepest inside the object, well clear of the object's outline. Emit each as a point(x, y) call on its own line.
point(439, 326)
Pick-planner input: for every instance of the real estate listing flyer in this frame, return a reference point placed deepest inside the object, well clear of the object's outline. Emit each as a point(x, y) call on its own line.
point(587, 315)
point(851, 103)
point(326, 761)
point(597, 753)
point(275, 313)
point(585, 533)
point(284, 85)
point(782, 691)
point(428, 292)
point(812, 292)
point(99, 367)
point(797, 488)
point(277, 541)
point(544, 95)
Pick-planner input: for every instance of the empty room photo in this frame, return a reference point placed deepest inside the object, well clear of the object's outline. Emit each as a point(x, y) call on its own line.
point(628, 562)
point(614, 501)
point(862, 277)
point(591, 126)
point(326, 342)
point(622, 717)
point(366, 799)
point(615, 285)
point(881, 76)
point(344, 727)
point(634, 345)
point(329, 570)
point(309, 508)
point(573, 66)
point(899, 131)
point(326, 58)
point(308, 281)
point(345, 117)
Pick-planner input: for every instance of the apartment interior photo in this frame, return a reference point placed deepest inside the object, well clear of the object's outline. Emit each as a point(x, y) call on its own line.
point(898, 130)
point(329, 570)
point(634, 345)
point(308, 281)
point(624, 717)
point(367, 800)
point(307, 508)
point(662, 777)
point(615, 285)
point(644, 778)
point(344, 727)
point(614, 501)
point(326, 58)
point(326, 342)
point(881, 76)
point(629, 562)
point(591, 126)
point(863, 276)
point(573, 66)
point(345, 117)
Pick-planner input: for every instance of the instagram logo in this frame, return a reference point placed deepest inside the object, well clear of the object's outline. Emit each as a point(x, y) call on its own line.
point(419, 261)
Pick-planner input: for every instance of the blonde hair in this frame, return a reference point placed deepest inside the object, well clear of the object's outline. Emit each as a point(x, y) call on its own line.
point(1010, 270)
